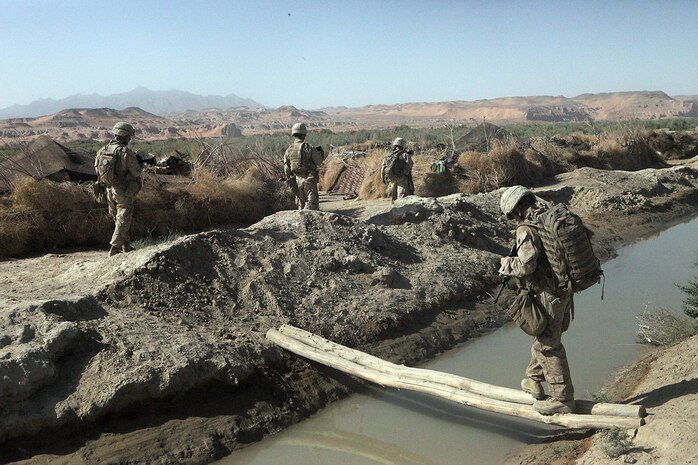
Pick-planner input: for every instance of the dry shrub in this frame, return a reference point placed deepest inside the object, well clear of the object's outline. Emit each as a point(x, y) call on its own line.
point(15, 233)
point(504, 165)
point(662, 327)
point(330, 171)
point(430, 184)
point(208, 201)
point(627, 150)
point(558, 159)
point(372, 187)
point(42, 215)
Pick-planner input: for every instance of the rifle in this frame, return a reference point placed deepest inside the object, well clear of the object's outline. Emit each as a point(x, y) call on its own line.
point(503, 279)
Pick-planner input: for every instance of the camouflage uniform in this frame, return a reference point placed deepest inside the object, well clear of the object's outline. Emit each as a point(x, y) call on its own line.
point(306, 175)
point(532, 270)
point(398, 184)
point(121, 197)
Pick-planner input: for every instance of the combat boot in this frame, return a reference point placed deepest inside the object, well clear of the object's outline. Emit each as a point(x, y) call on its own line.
point(553, 406)
point(533, 387)
point(113, 250)
point(127, 248)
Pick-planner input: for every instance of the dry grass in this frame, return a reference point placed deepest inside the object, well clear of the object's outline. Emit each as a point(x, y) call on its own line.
point(372, 186)
point(43, 215)
point(662, 327)
point(329, 173)
point(505, 165)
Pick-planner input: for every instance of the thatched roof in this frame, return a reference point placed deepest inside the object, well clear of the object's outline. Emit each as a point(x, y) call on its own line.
point(45, 158)
point(480, 138)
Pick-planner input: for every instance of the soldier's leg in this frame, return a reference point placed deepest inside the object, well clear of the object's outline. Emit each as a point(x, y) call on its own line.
point(534, 370)
point(550, 353)
point(124, 218)
point(401, 188)
point(393, 191)
point(111, 202)
point(313, 196)
point(302, 197)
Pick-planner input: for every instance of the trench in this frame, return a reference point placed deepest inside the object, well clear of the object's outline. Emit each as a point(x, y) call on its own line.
point(390, 427)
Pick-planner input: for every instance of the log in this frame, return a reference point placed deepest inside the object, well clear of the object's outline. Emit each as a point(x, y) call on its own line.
point(458, 382)
point(447, 392)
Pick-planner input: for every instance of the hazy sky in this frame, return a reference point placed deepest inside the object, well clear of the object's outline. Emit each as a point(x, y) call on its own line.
point(313, 54)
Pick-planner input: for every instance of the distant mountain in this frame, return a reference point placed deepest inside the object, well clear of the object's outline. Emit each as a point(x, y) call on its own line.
point(159, 102)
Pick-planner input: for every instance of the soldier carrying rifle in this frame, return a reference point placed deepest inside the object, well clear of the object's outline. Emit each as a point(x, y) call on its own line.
point(301, 168)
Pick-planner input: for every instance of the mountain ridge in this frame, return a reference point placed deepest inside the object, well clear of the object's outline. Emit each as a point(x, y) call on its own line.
point(159, 102)
point(96, 123)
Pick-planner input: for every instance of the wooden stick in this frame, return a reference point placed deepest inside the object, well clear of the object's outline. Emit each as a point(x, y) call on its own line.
point(447, 392)
point(458, 382)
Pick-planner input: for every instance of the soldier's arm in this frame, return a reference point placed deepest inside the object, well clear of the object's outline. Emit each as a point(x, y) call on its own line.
point(132, 165)
point(526, 259)
point(287, 165)
point(408, 159)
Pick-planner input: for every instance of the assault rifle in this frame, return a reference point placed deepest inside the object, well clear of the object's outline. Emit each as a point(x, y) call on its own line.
point(503, 279)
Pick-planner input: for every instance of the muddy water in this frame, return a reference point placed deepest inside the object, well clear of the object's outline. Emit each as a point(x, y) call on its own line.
point(394, 427)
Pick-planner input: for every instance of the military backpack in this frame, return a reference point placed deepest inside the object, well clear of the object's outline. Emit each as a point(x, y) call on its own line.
point(106, 165)
point(567, 246)
point(299, 158)
point(396, 166)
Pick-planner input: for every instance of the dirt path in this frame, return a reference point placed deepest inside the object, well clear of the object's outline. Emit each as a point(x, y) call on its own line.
point(159, 356)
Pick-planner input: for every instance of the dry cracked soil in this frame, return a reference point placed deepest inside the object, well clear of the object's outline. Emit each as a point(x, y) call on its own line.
point(159, 355)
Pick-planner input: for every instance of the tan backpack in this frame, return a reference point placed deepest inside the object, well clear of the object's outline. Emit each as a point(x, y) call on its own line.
point(567, 246)
point(107, 165)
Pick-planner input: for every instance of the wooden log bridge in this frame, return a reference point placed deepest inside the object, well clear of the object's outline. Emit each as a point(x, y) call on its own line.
point(451, 387)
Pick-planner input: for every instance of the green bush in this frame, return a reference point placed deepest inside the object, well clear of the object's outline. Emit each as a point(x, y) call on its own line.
point(690, 303)
point(615, 441)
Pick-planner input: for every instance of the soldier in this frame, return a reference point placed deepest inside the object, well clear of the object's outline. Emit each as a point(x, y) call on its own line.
point(301, 168)
point(533, 272)
point(396, 170)
point(122, 181)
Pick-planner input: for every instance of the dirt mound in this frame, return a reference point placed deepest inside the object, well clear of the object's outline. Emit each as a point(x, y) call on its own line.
point(155, 330)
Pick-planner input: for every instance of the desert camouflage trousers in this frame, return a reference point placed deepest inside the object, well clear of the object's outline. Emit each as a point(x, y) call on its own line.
point(308, 196)
point(121, 209)
point(548, 358)
point(398, 188)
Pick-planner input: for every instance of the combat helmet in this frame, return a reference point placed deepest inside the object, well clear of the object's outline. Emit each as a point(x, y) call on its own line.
point(399, 142)
point(123, 129)
point(511, 197)
point(299, 128)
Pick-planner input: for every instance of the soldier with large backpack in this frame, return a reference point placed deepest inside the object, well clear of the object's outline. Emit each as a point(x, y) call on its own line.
point(543, 307)
point(119, 171)
point(301, 168)
point(396, 170)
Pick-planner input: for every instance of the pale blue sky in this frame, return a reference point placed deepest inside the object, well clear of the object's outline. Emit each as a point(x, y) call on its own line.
point(313, 54)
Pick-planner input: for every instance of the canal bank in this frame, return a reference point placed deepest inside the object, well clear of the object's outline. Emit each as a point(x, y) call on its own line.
point(391, 426)
point(172, 365)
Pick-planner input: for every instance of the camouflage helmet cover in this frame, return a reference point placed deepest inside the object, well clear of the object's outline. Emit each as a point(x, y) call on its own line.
point(511, 197)
point(399, 142)
point(123, 129)
point(299, 128)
